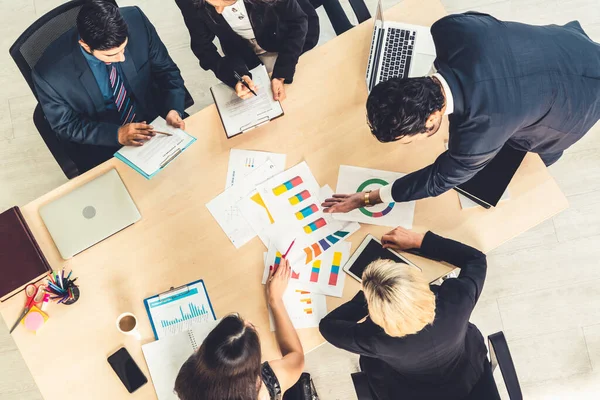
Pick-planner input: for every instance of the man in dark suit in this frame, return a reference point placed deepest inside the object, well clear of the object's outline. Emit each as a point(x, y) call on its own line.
point(535, 88)
point(99, 84)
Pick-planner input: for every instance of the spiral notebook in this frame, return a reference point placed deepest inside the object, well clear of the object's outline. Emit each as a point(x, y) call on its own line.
point(165, 357)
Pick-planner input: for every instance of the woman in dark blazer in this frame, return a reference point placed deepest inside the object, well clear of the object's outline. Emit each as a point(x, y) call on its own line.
point(285, 27)
point(416, 341)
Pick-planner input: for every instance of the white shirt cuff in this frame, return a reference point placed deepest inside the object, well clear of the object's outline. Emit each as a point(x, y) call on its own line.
point(385, 194)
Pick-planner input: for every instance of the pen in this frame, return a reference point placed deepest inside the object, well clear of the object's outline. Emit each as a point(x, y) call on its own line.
point(243, 82)
point(163, 133)
point(289, 248)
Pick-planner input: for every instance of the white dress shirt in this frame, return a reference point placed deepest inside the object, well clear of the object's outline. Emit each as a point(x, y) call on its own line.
point(238, 19)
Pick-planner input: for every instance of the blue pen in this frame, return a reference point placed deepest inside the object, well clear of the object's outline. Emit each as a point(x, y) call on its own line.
point(53, 286)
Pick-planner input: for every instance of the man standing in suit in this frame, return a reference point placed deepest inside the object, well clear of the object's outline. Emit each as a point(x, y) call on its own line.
point(535, 88)
point(99, 84)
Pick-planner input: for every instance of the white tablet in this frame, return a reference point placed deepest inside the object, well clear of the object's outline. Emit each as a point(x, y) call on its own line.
point(371, 250)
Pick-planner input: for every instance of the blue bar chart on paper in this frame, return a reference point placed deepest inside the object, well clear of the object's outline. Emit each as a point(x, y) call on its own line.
point(194, 312)
point(177, 311)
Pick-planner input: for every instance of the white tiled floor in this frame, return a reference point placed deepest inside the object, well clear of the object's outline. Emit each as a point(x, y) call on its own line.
point(542, 290)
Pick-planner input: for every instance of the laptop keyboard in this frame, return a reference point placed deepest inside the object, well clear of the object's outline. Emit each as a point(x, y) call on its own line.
point(398, 52)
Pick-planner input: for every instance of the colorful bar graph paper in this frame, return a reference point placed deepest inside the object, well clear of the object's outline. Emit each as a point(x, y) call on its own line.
point(307, 212)
point(289, 185)
point(316, 268)
point(300, 197)
point(194, 312)
point(335, 268)
point(277, 261)
point(313, 226)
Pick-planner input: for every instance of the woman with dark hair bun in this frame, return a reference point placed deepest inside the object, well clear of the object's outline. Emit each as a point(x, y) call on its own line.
point(251, 32)
point(227, 366)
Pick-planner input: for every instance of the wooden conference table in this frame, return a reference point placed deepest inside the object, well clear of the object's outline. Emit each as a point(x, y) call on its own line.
point(177, 240)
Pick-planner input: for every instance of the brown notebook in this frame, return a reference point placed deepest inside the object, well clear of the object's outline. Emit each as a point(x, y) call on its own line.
point(21, 260)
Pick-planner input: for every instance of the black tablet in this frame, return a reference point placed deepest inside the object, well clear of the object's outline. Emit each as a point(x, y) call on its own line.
point(371, 250)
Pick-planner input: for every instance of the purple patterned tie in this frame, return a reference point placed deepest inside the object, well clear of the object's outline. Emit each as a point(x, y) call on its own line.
point(124, 103)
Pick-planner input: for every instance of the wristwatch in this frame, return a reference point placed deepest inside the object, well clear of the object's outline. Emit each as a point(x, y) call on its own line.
point(367, 201)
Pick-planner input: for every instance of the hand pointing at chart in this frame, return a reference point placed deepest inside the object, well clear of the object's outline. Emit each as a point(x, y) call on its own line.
point(343, 203)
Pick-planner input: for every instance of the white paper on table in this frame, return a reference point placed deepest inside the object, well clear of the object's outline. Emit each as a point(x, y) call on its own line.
point(257, 215)
point(160, 149)
point(225, 210)
point(322, 276)
point(286, 205)
point(243, 162)
point(356, 179)
point(305, 309)
point(240, 115)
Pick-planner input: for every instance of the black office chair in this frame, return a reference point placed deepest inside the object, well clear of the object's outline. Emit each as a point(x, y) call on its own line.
point(486, 386)
point(337, 16)
point(27, 51)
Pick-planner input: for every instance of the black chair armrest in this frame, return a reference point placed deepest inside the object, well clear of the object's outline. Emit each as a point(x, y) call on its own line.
point(53, 143)
point(189, 100)
point(361, 386)
point(500, 356)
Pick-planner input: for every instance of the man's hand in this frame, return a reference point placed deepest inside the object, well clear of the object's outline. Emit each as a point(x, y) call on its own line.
point(278, 89)
point(402, 239)
point(278, 281)
point(242, 91)
point(175, 120)
point(135, 134)
point(343, 203)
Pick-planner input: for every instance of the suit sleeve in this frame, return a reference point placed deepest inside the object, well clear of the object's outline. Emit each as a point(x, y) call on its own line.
point(164, 71)
point(68, 124)
point(205, 50)
point(448, 171)
point(472, 262)
point(340, 327)
point(296, 20)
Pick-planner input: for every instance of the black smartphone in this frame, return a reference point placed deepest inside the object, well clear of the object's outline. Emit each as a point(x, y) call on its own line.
point(127, 370)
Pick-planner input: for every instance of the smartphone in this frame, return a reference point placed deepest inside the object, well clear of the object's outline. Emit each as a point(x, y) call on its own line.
point(127, 370)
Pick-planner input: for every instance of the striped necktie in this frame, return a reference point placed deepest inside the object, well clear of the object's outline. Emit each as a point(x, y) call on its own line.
point(124, 102)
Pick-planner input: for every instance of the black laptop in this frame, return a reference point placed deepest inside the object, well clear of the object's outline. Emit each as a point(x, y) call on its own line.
point(488, 185)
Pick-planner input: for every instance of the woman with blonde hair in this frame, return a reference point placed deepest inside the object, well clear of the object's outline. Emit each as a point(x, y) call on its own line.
point(415, 340)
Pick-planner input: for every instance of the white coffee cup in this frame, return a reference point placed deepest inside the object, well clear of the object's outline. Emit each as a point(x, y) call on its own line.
point(127, 324)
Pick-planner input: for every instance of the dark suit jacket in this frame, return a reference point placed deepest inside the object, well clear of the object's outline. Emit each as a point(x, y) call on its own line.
point(71, 98)
point(442, 361)
point(535, 87)
point(288, 27)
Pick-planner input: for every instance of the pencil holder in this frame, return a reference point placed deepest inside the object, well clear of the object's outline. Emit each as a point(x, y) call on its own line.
point(75, 296)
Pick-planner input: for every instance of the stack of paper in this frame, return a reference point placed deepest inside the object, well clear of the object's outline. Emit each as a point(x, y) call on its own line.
point(247, 169)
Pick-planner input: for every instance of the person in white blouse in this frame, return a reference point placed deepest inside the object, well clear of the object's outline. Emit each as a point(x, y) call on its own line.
point(272, 32)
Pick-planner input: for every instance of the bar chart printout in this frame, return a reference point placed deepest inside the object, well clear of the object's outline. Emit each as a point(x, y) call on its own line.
point(179, 310)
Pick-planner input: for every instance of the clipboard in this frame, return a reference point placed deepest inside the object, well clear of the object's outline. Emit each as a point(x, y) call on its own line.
point(179, 309)
point(236, 118)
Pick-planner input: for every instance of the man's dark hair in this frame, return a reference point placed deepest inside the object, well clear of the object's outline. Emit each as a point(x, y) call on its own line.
point(400, 107)
point(101, 25)
point(225, 367)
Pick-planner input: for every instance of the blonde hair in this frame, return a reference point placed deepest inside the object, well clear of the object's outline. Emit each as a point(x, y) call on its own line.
point(398, 297)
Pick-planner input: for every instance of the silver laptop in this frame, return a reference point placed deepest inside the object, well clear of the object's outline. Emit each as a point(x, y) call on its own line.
point(398, 51)
point(89, 214)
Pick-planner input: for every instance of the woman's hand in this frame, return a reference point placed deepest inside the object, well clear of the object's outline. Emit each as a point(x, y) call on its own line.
point(278, 281)
point(402, 239)
point(278, 89)
point(242, 91)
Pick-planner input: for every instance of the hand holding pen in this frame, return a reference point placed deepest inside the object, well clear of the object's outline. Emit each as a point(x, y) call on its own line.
point(245, 88)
